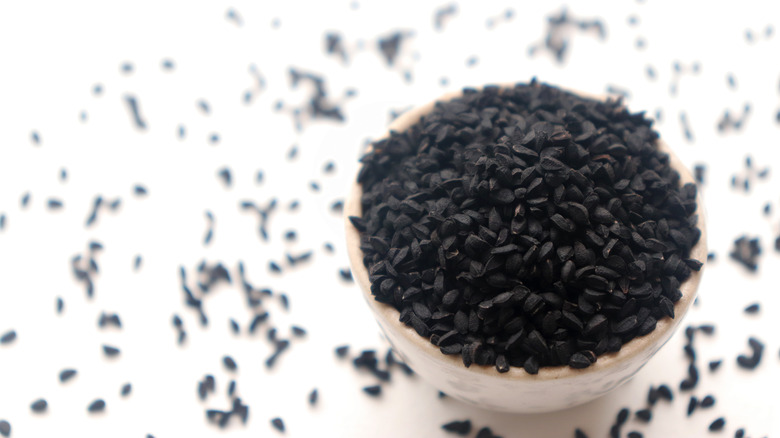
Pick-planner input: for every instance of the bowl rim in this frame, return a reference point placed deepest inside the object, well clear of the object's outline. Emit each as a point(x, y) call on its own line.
point(604, 362)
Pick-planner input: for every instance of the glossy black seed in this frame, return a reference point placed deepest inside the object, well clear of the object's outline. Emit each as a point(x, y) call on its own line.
point(373, 390)
point(634, 434)
point(229, 363)
point(39, 406)
point(110, 351)
point(579, 360)
point(692, 404)
point(126, 389)
point(313, 397)
point(645, 415)
point(578, 433)
point(717, 424)
point(461, 428)
point(715, 364)
point(96, 406)
point(278, 424)
point(707, 401)
point(740, 433)
point(5, 428)
point(66, 375)
point(753, 308)
point(752, 361)
point(342, 351)
point(486, 432)
point(8, 337)
point(665, 392)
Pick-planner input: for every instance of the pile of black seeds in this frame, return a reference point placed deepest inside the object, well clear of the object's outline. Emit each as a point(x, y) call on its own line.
point(526, 226)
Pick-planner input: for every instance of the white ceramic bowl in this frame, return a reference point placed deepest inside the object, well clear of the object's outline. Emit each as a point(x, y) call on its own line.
point(553, 388)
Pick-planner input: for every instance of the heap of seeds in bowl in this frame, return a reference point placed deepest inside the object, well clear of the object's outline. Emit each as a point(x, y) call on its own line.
point(526, 227)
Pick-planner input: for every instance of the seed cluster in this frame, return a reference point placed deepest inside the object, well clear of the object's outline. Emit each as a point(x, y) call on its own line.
point(526, 226)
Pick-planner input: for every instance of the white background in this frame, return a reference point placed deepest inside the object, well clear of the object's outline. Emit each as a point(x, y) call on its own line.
point(53, 53)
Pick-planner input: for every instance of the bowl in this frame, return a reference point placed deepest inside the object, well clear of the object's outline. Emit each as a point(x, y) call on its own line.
point(553, 388)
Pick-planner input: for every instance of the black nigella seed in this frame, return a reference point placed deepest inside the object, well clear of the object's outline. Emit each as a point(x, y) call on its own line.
point(231, 388)
point(644, 415)
point(140, 190)
point(715, 364)
point(8, 337)
point(486, 432)
point(753, 308)
point(54, 204)
point(717, 424)
point(373, 390)
point(110, 351)
point(346, 274)
point(740, 433)
point(298, 331)
point(578, 433)
point(486, 190)
point(278, 424)
point(96, 406)
point(313, 397)
point(39, 406)
point(665, 392)
point(634, 434)
point(274, 267)
point(132, 105)
point(462, 428)
point(752, 361)
point(66, 375)
point(342, 351)
point(5, 428)
point(226, 177)
point(229, 363)
point(126, 389)
point(707, 401)
point(234, 326)
point(622, 416)
point(692, 404)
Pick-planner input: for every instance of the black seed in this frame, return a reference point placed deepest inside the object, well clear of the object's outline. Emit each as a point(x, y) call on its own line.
point(278, 424)
point(579, 360)
point(342, 351)
point(66, 375)
point(8, 337)
point(486, 432)
point(313, 396)
point(752, 361)
point(229, 363)
point(5, 428)
point(644, 415)
point(740, 433)
point(462, 428)
point(110, 351)
point(707, 401)
point(126, 389)
point(665, 392)
point(692, 404)
point(717, 424)
point(579, 434)
point(39, 406)
point(374, 390)
point(132, 105)
point(96, 406)
point(715, 364)
point(753, 308)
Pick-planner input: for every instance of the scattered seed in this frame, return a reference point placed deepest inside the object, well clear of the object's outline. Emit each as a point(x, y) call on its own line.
point(229, 363)
point(462, 428)
point(278, 424)
point(96, 406)
point(717, 424)
point(66, 375)
point(373, 390)
point(8, 337)
point(39, 406)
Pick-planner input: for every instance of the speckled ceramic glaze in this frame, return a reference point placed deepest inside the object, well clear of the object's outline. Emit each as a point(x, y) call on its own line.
point(554, 388)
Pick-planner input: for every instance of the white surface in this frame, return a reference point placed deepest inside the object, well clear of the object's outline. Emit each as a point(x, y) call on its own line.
point(53, 53)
